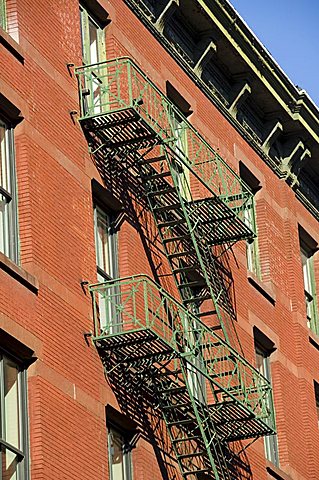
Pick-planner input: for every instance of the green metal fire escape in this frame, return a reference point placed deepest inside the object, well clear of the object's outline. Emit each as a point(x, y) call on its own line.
point(197, 200)
point(198, 204)
point(209, 395)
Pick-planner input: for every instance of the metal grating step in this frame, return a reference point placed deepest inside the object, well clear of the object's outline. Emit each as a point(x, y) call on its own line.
point(165, 208)
point(151, 160)
point(234, 422)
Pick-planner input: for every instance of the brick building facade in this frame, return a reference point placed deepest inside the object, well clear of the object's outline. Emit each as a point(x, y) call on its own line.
point(143, 145)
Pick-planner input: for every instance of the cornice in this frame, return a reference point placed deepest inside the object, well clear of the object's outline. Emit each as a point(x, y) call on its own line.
point(296, 103)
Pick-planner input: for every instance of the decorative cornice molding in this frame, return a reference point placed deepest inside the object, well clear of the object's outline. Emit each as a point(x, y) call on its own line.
point(296, 103)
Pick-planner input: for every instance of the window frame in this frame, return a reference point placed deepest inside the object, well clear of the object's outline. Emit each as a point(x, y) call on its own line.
point(127, 452)
point(112, 243)
point(252, 246)
point(3, 15)
point(309, 283)
point(250, 219)
point(271, 446)
point(21, 453)
point(109, 316)
point(86, 18)
point(8, 190)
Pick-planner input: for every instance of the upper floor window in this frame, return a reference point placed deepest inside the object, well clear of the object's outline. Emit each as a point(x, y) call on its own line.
point(307, 257)
point(107, 267)
point(120, 462)
point(3, 14)
point(13, 425)
point(93, 39)
point(8, 201)
point(252, 251)
point(263, 353)
point(179, 131)
point(105, 245)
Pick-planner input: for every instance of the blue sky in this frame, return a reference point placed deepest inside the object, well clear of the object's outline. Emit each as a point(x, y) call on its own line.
point(289, 29)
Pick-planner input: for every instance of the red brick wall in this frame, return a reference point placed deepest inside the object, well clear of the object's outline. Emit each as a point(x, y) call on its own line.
point(67, 388)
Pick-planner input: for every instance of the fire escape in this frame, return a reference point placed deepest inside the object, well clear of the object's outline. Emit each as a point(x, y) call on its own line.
point(178, 352)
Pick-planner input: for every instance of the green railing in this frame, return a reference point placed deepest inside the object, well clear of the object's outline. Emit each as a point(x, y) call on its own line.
point(138, 303)
point(111, 87)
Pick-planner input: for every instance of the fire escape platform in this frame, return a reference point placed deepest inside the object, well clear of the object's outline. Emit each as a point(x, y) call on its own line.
point(119, 130)
point(233, 422)
point(143, 349)
point(156, 328)
point(135, 346)
point(123, 108)
point(208, 394)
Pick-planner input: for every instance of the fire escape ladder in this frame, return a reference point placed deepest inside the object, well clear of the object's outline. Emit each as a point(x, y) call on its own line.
point(208, 394)
point(197, 447)
point(198, 203)
point(187, 229)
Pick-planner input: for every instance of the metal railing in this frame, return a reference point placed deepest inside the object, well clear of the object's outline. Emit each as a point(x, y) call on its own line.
point(110, 87)
point(137, 303)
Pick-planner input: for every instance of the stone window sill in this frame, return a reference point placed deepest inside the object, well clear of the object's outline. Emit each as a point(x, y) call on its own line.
point(19, 273)
point(265, 289)
point(11, 45)
point(276, 472)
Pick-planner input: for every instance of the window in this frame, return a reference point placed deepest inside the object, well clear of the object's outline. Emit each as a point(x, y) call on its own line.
point(93, 51)
point(13, 412)
point(307, 247)
point(252, 255)
point(3, 14)
point(316, 387)
point(120, 462)
point(93, 39)
point(105, 245)
point(263, 366)
point(106, 261)
point(179, 130)
point(9, 18)
point(8, 201)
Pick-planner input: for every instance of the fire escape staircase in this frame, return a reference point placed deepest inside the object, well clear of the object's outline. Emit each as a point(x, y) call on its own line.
point(198, 203)
point(208, 394)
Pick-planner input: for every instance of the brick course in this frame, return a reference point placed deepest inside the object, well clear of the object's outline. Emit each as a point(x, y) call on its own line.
point(67, 388)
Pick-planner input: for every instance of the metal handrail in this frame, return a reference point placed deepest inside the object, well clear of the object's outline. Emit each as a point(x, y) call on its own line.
point(140, 303)
point(120, 84)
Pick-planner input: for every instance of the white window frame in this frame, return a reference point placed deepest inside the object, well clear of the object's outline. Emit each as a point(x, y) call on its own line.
point(109, 316)
point(181, 150)
point(9, 233)
point(307, 264)
point(252, 253)
point(127, 470)
point(99, 54)
point(3, 14)
point(270, 441)
point(19, 450)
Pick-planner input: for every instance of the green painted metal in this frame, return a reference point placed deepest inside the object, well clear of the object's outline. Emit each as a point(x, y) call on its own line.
point(125, 110)
point(117, 85)
point(187, 229)
point(142, 304)
point(3, 14)
point(208, 394)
